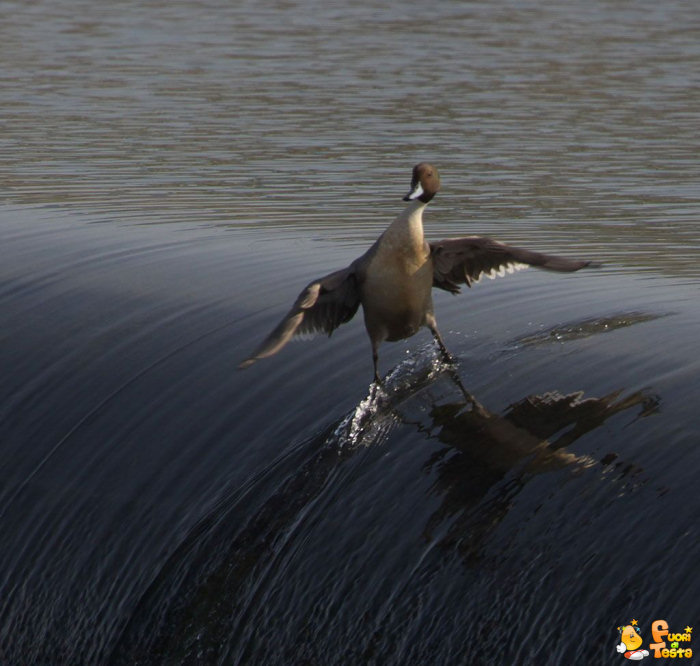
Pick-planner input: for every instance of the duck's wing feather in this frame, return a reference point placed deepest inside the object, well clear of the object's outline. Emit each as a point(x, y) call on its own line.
point(321, 307)
point(459, 261)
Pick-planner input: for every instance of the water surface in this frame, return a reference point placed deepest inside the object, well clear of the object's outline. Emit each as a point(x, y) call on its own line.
point(172, 176)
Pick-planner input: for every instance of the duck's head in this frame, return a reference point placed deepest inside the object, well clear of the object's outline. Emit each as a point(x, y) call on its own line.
point(424, 184)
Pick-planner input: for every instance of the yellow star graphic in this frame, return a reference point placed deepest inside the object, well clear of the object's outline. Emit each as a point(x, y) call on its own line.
point(688, 630)
point(633, 622)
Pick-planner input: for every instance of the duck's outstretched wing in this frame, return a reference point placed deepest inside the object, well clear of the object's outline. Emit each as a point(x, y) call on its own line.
point(459, 261)
point(321, 307)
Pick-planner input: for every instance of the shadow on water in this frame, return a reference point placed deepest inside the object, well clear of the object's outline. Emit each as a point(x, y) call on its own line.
point(489, 457)
point(584, 329)
point(205, 604)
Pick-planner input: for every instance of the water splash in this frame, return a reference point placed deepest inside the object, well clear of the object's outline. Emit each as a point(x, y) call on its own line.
point(374, 416)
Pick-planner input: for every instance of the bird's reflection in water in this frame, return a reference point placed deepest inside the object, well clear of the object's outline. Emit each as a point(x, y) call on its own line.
point(488, 457)
point(209, 589)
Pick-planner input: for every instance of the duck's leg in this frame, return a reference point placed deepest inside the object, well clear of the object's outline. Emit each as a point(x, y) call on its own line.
point(376, 388)
point(448, 358)
point(375, 362)
point(432, 325)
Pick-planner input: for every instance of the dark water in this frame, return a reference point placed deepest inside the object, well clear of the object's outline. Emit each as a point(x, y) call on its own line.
point(173, 174)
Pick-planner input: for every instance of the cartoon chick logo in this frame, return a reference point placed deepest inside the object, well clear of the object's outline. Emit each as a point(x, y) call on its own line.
point(630, 645)
point(631, 641)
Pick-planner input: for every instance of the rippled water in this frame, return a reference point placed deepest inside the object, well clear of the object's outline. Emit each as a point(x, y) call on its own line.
point(174, 173)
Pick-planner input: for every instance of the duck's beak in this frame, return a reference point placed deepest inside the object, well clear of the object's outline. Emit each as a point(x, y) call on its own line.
point(415, 192)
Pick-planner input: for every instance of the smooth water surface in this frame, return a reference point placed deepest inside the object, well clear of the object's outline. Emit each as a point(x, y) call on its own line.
point(174, 173)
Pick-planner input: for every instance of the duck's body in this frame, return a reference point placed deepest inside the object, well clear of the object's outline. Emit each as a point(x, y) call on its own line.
point(397, 285)
point(394, 279)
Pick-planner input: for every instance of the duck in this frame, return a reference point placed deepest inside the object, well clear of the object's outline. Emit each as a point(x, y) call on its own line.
point(394, 279)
